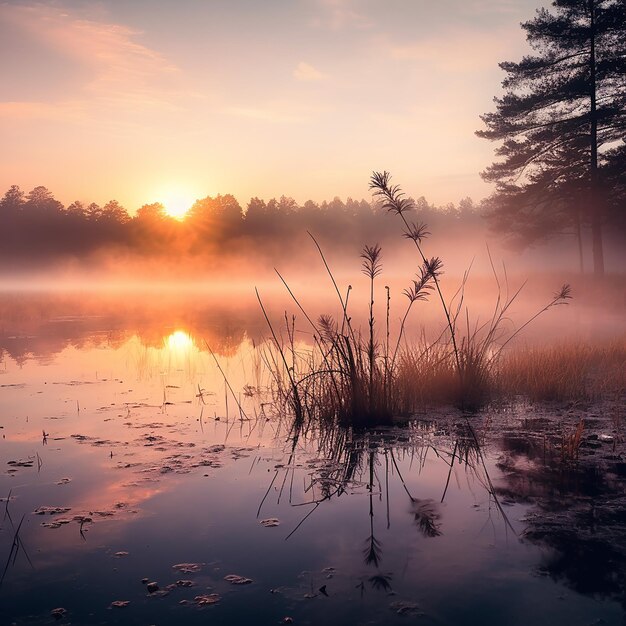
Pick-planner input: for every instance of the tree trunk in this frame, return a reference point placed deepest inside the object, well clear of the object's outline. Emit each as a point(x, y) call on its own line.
point(596, 197)
point(579, 240)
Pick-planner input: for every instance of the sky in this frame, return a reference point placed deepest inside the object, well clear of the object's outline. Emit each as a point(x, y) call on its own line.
point(173, 100)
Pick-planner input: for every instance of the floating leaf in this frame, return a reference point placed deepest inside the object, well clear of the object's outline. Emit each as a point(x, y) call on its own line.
point(58, 613)
point(235, 579)
point(270, 522)
point(51, 510)
point(120, 604)
point(188, 568)
point(205, 600)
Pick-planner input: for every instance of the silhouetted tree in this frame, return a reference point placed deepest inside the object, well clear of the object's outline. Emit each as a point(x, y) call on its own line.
point(286, 206)
point(93, 211)
point(214, 220)
point(114, 212)
point(615, 176)
point(12, 202)
point(37, 228)
point(41, 201)
point(562, 110)
point(77, 210)
point(151, 213)
point(156, 232)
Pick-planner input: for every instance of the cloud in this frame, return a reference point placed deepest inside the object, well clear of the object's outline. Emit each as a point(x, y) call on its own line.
point(116, 70)
point(41, 110)
point(456, 50)
point(307, 73)
point(341, 14)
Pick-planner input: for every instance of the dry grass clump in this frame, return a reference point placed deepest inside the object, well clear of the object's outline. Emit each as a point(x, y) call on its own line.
point(563, 372)
point(367, 378)
point(571, 442)
point(346, 377)
point(425, 376)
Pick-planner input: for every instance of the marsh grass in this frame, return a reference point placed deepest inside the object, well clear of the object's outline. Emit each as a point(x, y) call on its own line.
point(571, 441)
point(563, 372)
point(347, 377)
point(475, 346)
point(361, 379)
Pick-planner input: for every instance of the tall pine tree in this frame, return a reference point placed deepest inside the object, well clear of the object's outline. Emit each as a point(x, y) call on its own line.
point(560, 120)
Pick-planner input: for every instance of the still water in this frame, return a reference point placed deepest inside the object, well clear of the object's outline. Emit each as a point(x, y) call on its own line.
point(138, 489)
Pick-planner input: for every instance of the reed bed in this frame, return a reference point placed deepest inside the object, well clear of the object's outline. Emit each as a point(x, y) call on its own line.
point(364, 377)
point(563, 372)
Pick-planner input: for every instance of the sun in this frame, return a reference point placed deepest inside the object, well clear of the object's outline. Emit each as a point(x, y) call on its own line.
point(179, 341)
point(177, 203)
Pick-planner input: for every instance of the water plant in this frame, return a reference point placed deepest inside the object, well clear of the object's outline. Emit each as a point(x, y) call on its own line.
point(475, 350)
point(351, 379)
point(345, 377)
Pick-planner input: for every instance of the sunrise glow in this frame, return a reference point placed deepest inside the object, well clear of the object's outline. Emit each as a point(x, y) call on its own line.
point(148, 101)
point(179, 341)
point(259, 256)
point(177, 203)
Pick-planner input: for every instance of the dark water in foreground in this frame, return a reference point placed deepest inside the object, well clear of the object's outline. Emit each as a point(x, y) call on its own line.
point(121, 463)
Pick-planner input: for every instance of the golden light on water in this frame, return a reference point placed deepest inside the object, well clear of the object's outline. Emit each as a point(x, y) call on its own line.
point(179, 342)
point(180, 355)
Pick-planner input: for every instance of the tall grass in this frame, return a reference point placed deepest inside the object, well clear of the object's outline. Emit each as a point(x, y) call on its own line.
point(352, 378)
point(563, 372)
point(475, 348)
point(345, 377)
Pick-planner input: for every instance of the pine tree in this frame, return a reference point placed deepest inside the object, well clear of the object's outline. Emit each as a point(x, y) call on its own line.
point(562, 114)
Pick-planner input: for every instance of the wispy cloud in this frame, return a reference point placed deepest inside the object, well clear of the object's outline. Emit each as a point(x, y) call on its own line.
point(116, 69)
point(341, 14)
point(307, 73)
point(278, 112)
point(455, 51)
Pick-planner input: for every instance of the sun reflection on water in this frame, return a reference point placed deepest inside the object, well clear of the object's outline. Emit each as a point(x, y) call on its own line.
point(179, 342)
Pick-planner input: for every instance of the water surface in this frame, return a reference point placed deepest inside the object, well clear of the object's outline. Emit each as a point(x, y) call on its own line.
point(126, 460)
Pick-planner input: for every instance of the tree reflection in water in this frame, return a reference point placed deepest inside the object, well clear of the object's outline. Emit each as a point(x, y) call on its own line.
point(578, 512)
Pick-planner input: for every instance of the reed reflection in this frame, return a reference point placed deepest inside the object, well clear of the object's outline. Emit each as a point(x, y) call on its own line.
point(380, 465)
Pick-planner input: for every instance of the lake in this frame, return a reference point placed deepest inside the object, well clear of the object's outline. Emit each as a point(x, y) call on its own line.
point(147, 478)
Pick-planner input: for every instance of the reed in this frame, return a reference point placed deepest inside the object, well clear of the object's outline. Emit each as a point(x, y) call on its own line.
point(352, 378)
point(345, 377)
point(563, 372)
point(474, 348)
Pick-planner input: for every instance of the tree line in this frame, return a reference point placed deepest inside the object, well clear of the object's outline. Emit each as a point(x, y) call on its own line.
point(561, 170)
point(35, 226)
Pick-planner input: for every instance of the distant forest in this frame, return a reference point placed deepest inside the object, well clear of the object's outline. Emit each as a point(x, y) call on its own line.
point(36, 228)
point(37, 231)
